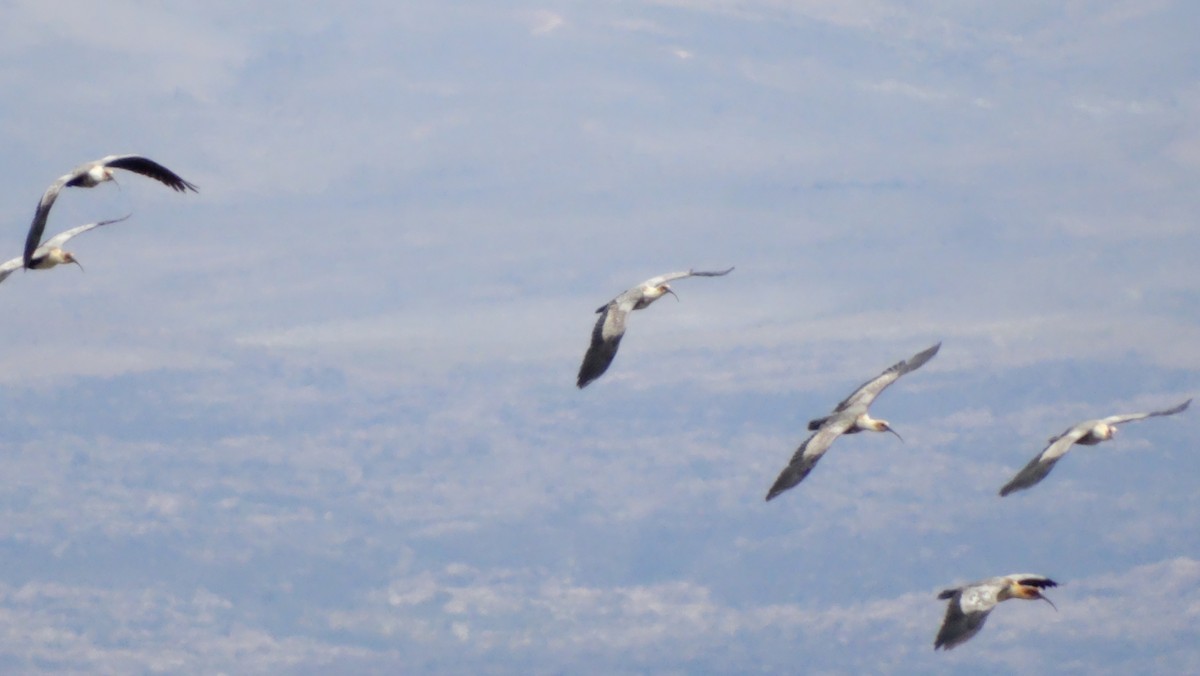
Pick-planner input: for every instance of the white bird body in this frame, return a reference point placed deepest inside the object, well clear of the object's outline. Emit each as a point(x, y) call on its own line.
point(51, 253)
point(95, 173)
point(1087, 433)
point(970, 604)
point(89, 175)
point(610, 327)
point(53, 257)
point(849, 417)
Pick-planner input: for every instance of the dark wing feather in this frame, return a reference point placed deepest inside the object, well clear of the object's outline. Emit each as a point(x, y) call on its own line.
point(149, 168)
point(604, 345)
point(794, 473)
point(1039, 582)
point(957, 627)
point(1040, 466)
point(41, 214)
point(805, 458)
point(1030, 476)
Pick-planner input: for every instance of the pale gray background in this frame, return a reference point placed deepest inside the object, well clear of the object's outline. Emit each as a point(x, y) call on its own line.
point(321, 416)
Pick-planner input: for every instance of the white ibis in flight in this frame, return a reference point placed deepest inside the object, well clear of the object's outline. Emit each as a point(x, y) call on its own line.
point(970, 604)
point(849, 417)
point(90, 175)
point(51, 253)
point(606, 337)
point(1088, 433)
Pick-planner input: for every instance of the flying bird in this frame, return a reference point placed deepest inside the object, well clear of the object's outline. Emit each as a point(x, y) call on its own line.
point(1088, 433)
point(93, 174)
point(970, 604)
point(849, 417)
point(606, 337)
point(51, 253)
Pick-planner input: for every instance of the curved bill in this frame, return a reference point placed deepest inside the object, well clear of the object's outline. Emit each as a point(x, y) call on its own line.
point(673, 294)
point(1048, 601)
point(896, 433)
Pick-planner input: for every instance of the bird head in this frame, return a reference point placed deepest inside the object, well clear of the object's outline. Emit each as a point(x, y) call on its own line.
point(883, 426)
point(1029, 593)
point(653, 293)
point(68, 257)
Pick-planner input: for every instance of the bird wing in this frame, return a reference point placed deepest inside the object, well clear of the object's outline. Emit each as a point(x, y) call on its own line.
point(149, 168)
point(9, 266)
point(1031, 580)
point(671, 276)
point(1040, 466)
point(807, 455)
point(959, 625)
point(606, 338)
point(867, 392)
point(1130, 417)
point(42, 213)
point(66, 235)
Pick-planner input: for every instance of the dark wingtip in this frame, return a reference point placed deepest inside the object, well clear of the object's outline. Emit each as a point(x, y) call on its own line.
point(776, 490)
point(584, 378)
point(115, 220)
point(925, 355)
point(1040, 584)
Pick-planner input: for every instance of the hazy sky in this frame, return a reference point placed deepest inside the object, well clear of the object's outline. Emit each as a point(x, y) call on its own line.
point(321, 416)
